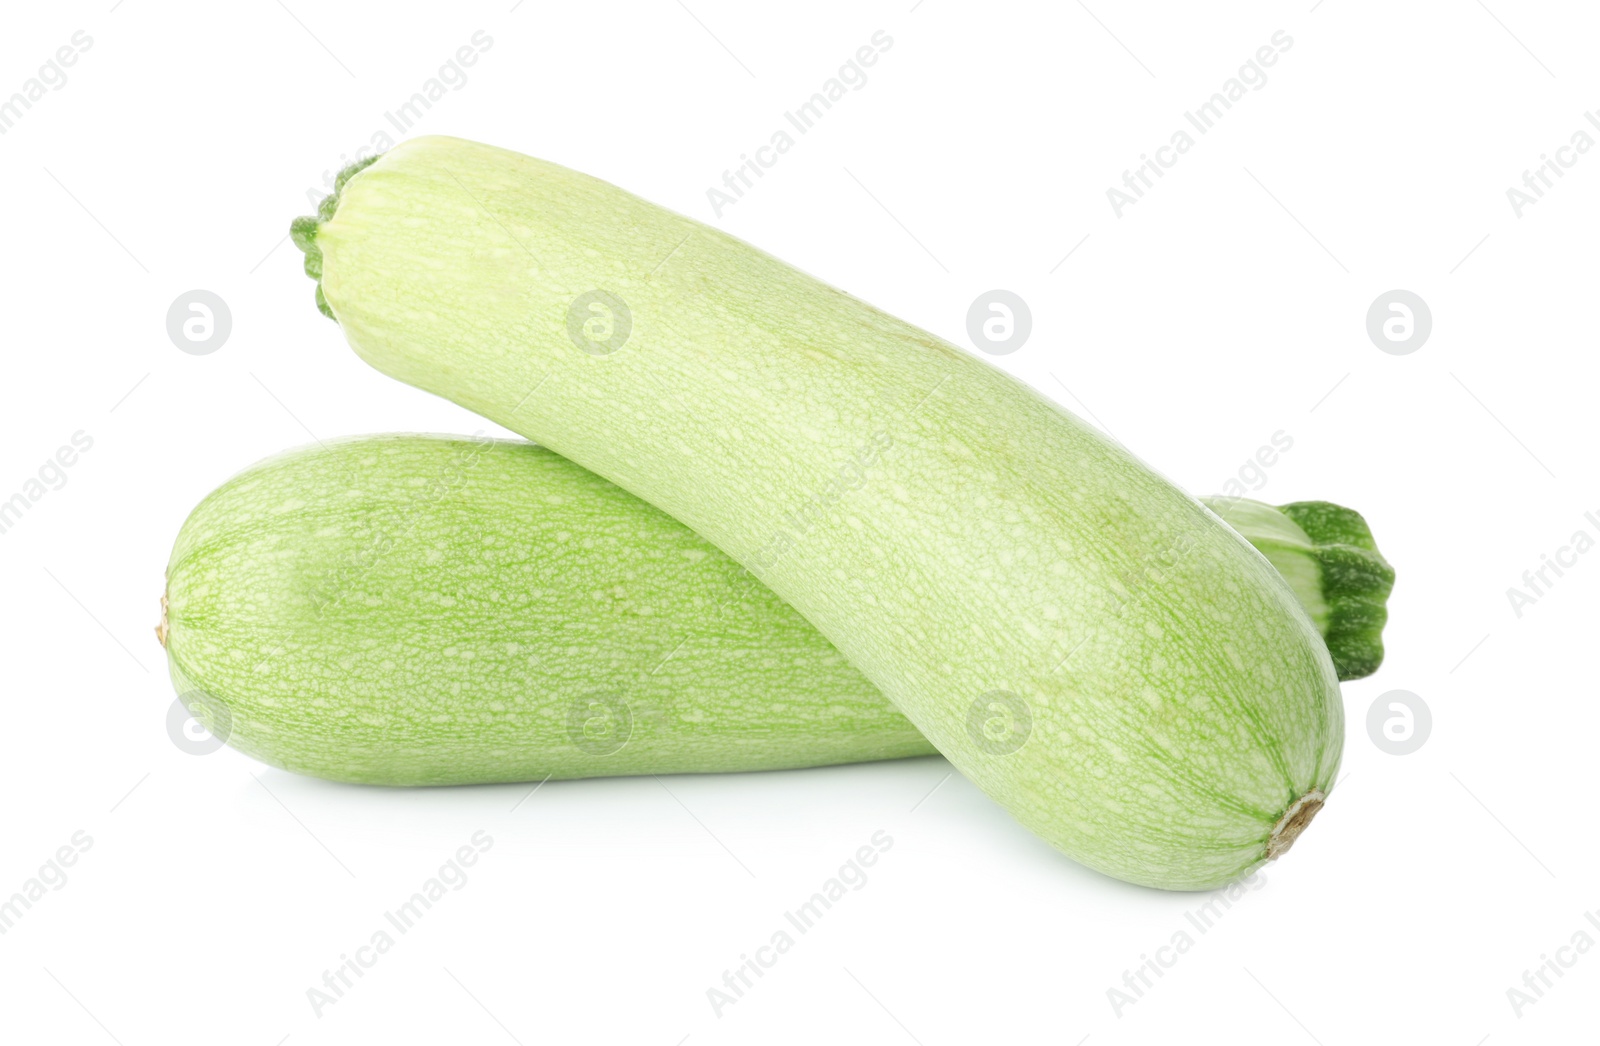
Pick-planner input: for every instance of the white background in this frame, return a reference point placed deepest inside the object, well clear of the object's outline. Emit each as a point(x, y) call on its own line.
point(1226, 305)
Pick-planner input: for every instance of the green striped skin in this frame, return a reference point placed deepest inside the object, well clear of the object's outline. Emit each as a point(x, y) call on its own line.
point(420, 610)
point(1095, 650)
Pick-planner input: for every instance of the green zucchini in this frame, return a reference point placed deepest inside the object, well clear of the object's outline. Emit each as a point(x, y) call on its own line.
point(412, 610)
point(425, 610)
point(1088, 644)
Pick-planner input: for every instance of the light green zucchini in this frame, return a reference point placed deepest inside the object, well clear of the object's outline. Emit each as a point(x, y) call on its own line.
point(1092, 647)
point(424, 610)
point(410, 610)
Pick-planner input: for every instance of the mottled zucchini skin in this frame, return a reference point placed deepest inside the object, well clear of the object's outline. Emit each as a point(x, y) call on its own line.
point(1091, 647)
point(409, 610)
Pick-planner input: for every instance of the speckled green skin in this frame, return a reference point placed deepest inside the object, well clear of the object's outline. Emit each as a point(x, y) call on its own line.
point(421, 610)
point(407, 608)
point(1084, 641)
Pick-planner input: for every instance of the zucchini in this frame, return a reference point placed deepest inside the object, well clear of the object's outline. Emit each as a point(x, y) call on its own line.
point(411, 610)
point(1088, 644)
point(425, 610)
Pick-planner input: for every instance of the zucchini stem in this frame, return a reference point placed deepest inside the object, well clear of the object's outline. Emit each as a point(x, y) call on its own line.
point(304, 230)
